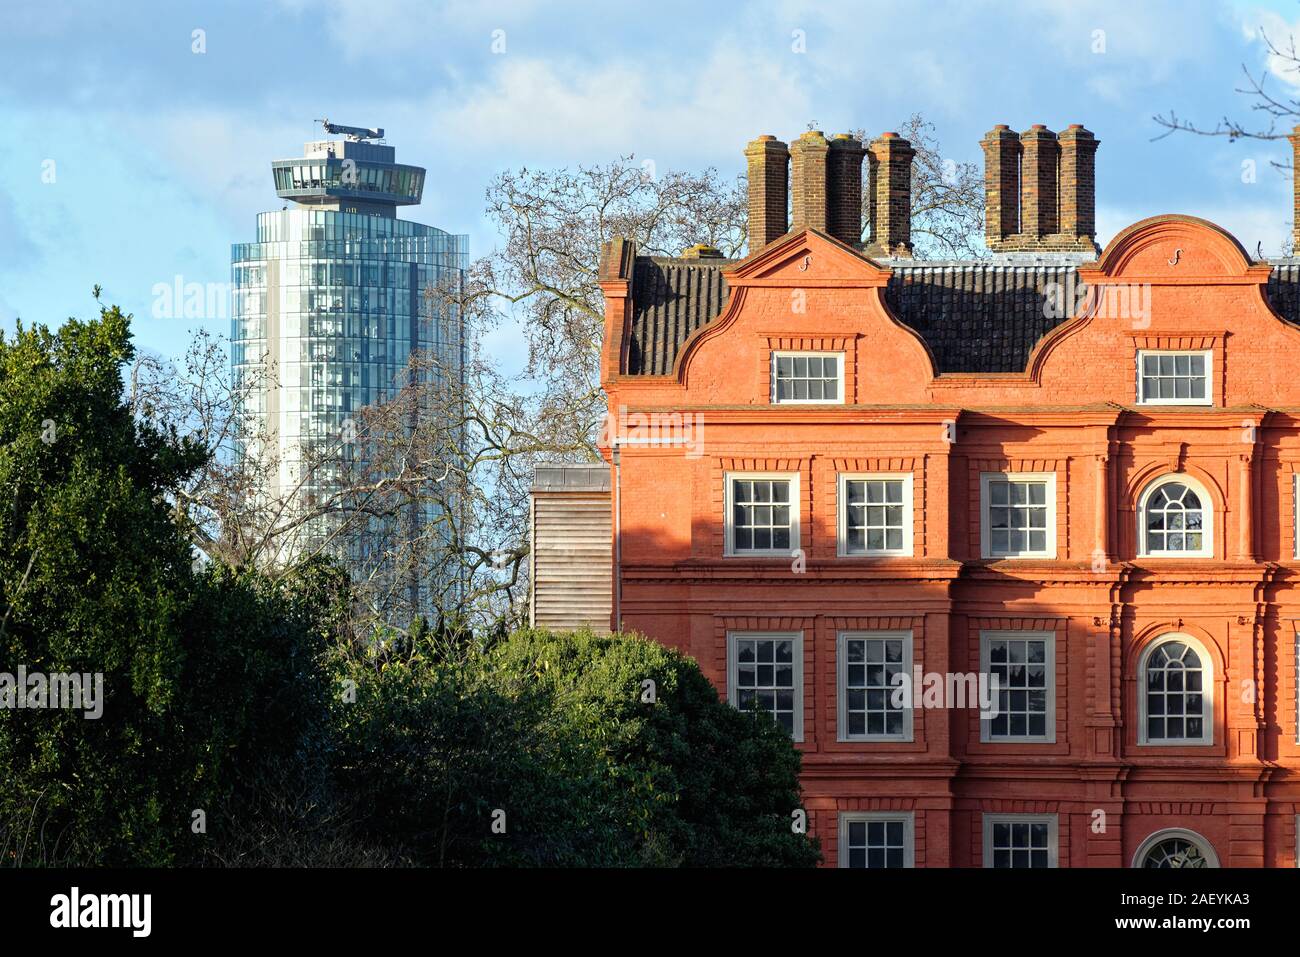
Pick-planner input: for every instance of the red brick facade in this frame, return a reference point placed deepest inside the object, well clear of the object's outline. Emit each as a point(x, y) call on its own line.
point(1096, 601)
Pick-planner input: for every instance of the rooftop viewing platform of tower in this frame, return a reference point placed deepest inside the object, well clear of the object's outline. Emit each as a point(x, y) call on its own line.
point(353, 175)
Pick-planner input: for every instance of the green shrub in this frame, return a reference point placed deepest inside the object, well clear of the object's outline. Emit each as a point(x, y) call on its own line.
point(552, 732)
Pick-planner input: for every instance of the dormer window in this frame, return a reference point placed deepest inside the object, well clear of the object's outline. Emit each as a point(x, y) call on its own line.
point(1174, 378)
point(808, 377)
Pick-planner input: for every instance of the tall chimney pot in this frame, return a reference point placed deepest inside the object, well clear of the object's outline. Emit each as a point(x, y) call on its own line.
point(1039, 167)
point(1078, 192)
point(890, 176)
point(808, 181)
point(768, 162)
point(1294, 137)
point(1040, 190)
point(844, 189)
point(1001, 186)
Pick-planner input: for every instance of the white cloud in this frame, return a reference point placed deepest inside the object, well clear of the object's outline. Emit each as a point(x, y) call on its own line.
point(380, 29)
point(562, 108)
point(222, 157)
point(958, 54)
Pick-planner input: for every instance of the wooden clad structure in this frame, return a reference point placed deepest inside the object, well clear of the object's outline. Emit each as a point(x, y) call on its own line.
point(571, 568)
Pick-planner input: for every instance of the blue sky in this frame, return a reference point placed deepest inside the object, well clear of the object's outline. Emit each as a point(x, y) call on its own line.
point(160, 155)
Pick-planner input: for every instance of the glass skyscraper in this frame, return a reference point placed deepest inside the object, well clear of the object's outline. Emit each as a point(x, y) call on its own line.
point(328, 305)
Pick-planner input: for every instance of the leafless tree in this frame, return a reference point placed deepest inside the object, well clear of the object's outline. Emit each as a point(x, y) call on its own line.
point(947, 197)
point(457, 445)
point(434, 481)
point(553, 223)
point(228, 506)
point(1273, 115)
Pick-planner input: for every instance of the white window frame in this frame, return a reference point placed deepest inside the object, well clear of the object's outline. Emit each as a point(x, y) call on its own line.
point(806, 353)
point(1049, 734)
point(1209, 376)
point(733, 663)
point(730, 550)
point(1207, 693)
point(841, 684)
point(909, 832)
point(1053, 832)
point(1207, 517)
point(842, 518)
point(986, 538)
point(1179, 833)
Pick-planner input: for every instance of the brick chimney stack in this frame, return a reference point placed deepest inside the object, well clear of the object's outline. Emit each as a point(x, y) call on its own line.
point(1078, 193)
point(890, 181)
point(1040, 163)
point(1294, 137)
point(1040, 190)
point(825, 190)
point(768, 160)
point(1001, 185)
point(844, 189)
point(808, 156)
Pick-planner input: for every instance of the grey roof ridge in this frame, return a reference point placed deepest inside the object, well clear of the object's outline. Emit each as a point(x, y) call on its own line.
point(713, 262)
point(1054, 261)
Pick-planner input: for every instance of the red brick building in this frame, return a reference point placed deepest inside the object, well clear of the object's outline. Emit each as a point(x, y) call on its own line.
point(1073, 470)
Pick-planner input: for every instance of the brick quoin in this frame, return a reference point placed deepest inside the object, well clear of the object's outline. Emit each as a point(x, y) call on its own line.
point(1068, 409)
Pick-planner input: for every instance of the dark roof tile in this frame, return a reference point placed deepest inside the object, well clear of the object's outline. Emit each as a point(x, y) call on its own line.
point(980, 316)
point(671, 299)
point(1283, 290)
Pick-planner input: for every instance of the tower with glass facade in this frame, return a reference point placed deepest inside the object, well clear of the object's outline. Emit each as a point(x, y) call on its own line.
point(328, 305)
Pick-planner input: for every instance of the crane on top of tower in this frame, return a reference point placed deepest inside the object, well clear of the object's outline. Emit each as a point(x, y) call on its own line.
point(354, 133)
